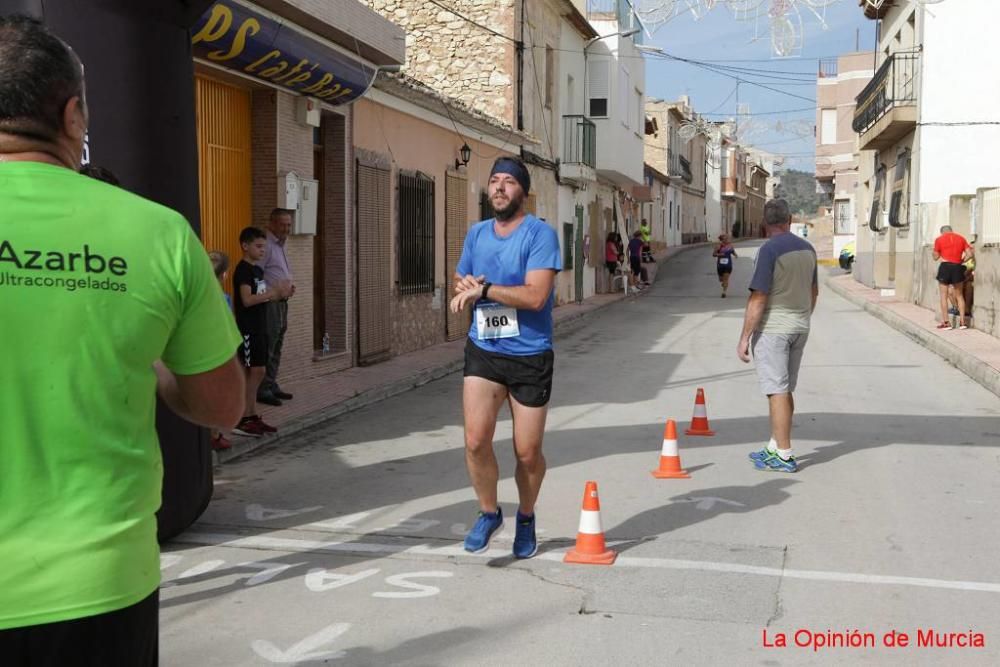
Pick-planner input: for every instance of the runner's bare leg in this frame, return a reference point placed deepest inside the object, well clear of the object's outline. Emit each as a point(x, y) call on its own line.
point(481, 401)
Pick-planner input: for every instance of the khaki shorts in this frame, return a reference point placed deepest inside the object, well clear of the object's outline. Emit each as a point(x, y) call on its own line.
point(777, 358)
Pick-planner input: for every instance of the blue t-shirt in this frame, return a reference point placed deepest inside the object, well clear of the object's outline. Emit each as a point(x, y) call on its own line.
point(506, 261)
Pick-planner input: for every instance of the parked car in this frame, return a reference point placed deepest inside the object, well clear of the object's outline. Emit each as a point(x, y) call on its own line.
point(847, 257)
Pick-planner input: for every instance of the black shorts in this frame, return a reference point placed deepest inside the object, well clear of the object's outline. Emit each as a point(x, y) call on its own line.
point(636, 264)
point(612, 267)
point(128, 636)
point(527, 378)
point(950, 273)
point(253, 351)
point(723, 268)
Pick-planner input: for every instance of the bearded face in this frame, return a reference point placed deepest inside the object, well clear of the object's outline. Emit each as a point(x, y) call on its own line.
point(506, 196)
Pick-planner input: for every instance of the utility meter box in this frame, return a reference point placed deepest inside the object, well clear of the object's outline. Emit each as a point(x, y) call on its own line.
point(307, 111)
point(305, 215)
point(289, 191)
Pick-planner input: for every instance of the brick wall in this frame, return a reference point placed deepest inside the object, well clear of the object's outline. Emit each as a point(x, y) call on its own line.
point(338, 234)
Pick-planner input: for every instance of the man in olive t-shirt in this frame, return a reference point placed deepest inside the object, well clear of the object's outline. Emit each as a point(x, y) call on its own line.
point(108, 299)
point(783, 292)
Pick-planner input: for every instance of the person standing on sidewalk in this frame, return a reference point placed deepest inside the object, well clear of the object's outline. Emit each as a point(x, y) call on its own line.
point(506, 273)
point(952, 249)
point(123, 307)
point(252, 295)
point(277, 274)
point(784, 289)
point(724, 253)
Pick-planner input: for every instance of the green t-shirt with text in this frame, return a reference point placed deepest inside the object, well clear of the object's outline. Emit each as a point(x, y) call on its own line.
point(96, 284)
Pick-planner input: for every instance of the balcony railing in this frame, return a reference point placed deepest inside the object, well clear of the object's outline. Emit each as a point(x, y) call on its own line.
point(827, 68)
point(579, 141)
point(894, 85)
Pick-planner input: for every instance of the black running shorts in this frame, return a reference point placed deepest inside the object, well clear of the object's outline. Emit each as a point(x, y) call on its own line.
point(528, 378)
point(253, 350)
point(950, 273)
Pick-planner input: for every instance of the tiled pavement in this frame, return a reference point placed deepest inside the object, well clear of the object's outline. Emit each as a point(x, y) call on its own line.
point(322, 398)
point(975, 353)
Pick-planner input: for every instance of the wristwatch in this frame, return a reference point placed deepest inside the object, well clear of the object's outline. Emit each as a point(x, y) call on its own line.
point(486, 289)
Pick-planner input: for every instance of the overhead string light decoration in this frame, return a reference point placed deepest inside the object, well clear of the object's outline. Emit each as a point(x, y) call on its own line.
point(781, 21)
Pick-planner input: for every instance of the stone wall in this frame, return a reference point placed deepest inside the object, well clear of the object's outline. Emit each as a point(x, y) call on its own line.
point(456, 57)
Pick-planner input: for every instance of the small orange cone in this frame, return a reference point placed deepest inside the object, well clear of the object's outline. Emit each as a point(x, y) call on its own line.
point(590, 548)
point(670, 460)
point(699, 422)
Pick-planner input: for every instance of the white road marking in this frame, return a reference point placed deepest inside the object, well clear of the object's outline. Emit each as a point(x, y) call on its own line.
point(307, 649)
point(299, 545)
point(707, 502)
point(416, 590)
point(201, 568)
point(168, 560)
point(260, 513)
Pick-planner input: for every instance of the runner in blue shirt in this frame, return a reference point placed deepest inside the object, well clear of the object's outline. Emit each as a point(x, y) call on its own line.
point(724, 254)
point(506, 275)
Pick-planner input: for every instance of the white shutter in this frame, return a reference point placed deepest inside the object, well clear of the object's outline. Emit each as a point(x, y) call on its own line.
point(624, 94)
point(829, 127)
point(598, 81)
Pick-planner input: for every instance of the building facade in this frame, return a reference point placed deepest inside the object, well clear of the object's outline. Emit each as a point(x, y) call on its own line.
point(838, 83)
point(275, 121)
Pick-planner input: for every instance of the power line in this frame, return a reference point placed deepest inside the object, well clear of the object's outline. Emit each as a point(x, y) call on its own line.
point(475, 23)
point(966, 123)
point(723, 103)
point(763, 113)
point(695, 63)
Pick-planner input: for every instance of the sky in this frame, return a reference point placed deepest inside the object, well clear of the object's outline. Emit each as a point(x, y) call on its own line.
point(719, 36)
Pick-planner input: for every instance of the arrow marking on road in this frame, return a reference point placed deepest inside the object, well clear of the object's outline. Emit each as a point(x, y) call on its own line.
point(708, 502)
point(307, 649)
point(261, 513)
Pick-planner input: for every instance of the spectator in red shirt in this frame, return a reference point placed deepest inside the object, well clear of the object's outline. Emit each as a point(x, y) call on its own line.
point(952, 249)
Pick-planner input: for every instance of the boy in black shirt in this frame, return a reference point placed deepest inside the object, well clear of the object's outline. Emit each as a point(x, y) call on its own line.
point(250, 293)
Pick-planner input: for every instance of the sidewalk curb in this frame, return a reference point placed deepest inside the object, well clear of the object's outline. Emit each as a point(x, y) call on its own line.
point(376, 395)
point(980, 372)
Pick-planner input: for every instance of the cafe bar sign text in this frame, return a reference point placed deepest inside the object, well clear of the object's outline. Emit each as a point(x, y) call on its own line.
point(238, 38)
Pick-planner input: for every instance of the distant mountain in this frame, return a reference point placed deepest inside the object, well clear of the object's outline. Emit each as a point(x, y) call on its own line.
point(798, 188)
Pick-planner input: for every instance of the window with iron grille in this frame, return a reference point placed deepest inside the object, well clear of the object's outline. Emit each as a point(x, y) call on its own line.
point(567, 246)
point(416, 233)
point(485, 207)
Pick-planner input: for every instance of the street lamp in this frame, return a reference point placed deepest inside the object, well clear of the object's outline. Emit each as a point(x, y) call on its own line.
point(466, 154)
point(648, 48)
point(627, 33)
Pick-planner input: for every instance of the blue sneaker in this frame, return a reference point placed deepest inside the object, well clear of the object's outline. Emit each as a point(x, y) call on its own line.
point(525, 542)
point(773, 462)
point(478, 539)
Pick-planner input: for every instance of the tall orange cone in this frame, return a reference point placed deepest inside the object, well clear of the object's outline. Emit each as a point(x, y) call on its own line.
point(590, 548)
point(670, 460)
point(699, 422)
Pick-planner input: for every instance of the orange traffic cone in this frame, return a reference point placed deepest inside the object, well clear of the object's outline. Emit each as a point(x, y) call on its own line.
point(670, 460)
point(699, 422)
point(590, 547)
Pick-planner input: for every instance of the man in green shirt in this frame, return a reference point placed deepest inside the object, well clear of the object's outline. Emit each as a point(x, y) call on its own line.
point(108, 299)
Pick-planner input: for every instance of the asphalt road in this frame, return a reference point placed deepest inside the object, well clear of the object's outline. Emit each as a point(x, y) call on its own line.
point(344, 546)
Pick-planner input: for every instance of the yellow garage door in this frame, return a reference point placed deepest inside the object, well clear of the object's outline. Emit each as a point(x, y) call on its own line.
point(223, 165)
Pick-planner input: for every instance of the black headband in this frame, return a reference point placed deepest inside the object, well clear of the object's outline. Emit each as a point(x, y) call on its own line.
point(515, 169)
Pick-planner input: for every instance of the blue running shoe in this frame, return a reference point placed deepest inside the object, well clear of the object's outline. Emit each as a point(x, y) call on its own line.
point(760, 455)
point(775, 463)
point(478, 539)
point(525, 542)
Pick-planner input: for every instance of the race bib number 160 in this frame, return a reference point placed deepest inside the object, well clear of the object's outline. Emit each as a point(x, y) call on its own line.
point(496, 321)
